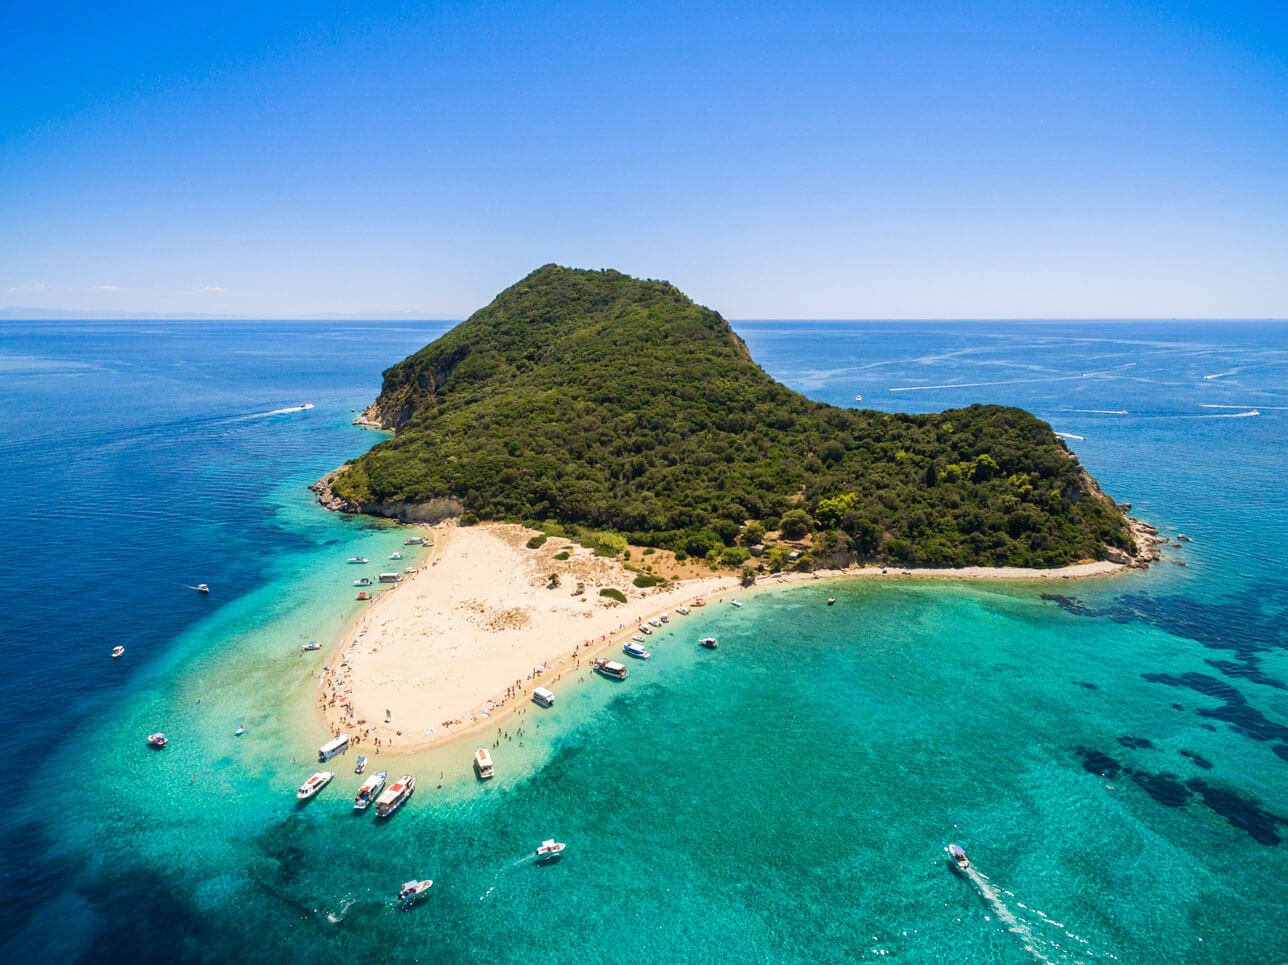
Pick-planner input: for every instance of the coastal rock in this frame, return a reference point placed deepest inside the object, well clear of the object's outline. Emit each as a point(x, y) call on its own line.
point(431, 511)
point(1121, 557)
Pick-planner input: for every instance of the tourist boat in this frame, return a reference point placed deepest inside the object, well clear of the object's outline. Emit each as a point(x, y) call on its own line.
point(655, 623)
point(395, 796)
point(332, 747)
point(709, 642)
point(158, 740)
point(611, 668)
point(412, 891)
point(633, 649)
point(370, 788)
point(202, 588)
point(365, 581)
point(360, 765)
point(414, 541)
point(390, 577)
point(357, 559)
point(314, 784)
point(312, 645)
point(117, 651)
point(543, 696)
point(959, 857)
point(831, 601)
point(363, 595)
point(735, 603)
point(646, 630)
point(550, 849)
point(682, 610)
point(483, 764)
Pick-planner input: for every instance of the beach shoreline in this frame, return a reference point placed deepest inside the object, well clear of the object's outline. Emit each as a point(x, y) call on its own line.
point(458, 646)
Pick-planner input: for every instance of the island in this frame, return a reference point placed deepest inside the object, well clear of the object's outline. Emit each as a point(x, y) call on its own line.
point(592, 450)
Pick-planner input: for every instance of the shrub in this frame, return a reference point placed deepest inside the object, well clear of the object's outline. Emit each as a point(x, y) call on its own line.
point(469, 519)
point(537, 541)
point(562, 555)
point(613, 594)
point(644, 580)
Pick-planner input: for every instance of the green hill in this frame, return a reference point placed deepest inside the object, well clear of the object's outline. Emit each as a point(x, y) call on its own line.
point(599, 400)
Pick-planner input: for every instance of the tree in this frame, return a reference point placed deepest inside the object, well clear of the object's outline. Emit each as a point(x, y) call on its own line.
point(795, 524)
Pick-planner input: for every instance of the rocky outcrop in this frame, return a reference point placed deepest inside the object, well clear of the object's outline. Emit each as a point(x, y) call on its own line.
point(1147, 543)
point(433, 511)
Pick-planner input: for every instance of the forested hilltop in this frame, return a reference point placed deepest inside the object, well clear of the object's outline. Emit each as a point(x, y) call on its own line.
point(593, 400)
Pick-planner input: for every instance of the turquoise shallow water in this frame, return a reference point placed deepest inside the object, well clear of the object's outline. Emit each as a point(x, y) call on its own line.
point(1111, 753)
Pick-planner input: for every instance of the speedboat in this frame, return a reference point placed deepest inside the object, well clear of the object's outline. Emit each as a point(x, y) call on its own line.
point(611, 668)
point(365, 581)
point(644, 629)
point(414, 890)
point(395, 796)
point(655, 623)
point(735, 603)
point(959, 856)
point(117, 651)
point(357, 559)
point(370, 788)
point(483, 764)
point(395, 556)
point(709, 642)
point(158, 740)
point(314, 784)
point(363, 595)
point(633, 649)
point(202, 588)
point(360, 765)
point(312, 645)
point(682, 610)
point(637, 638)
point(858, 398)
point(831, 601)
point(698, 602)
point(550, 850)
point(665, 618)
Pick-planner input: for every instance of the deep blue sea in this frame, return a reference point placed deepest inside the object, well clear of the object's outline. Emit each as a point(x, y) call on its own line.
point(1112, 753)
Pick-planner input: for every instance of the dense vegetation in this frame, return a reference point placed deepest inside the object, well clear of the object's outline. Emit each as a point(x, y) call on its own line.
point(596, 399)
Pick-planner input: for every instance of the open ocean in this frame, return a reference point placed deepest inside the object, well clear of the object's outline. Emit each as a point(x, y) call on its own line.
point(1112, 753)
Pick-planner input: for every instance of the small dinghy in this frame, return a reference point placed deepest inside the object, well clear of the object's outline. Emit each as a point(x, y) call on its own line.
point(117, 651)
point(959, 857)
point(239, 731)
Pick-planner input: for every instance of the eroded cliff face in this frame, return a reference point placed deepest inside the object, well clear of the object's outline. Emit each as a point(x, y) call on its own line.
point(430, 511)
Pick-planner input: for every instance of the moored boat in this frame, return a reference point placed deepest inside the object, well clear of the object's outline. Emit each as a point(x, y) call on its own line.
point(360, 765)
point(414, 541)
point(395, 795)
point(365, 581)
point(655, 623)
point(390, 577)
point(959, 857)
point(483, 764)
point(665, 618)
point(709, 642)
point(699, 602)
point(368, 791)
point(831, 601)
point(611, 668)
point(682, 610)
point(735, 603)
point(312, 645)
point(332, 747)
point(117, 651)
point(633, 649)
point(543, 696)
point(395, 556)
point(239, 731)
point(414, 890)
point(314, 784)
point(357, 559)
point(550, 849)
point(363, 595)
point(646, 630)
point(158, 740)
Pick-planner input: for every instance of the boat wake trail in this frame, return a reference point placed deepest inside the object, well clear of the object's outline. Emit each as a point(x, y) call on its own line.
point(1070, 435)
point(264, 415)
point(1036, 933)
point(336, 916)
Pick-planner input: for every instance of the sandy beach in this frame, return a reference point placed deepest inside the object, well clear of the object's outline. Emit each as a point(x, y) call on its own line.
point(461, 643)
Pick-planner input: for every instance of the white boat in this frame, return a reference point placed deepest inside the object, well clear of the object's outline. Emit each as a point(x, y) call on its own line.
point(633, 649)
point(550, 849)
point(314, 784)
point(158, 740)
point(390, 577)
point(682, 610)
point(831, 601)
point(360, 765)
point(239, 731)
point(370, 788)
point(312, 645)
point(395, 556)
point(655, 623)
point(365, 581)
point(202, 588)
point(483, 764)
point(543, 696)
point(357, 559)
point(332, 747)
point(646, 630)
point(735, 603)
point(858, 398)
point(414, 541)
point(637, 638)
point(665, 618)
point(709, 642)
point(414, 890)
point(959, 857)
point(395, 796)
point(611, 668)
point(117, 651)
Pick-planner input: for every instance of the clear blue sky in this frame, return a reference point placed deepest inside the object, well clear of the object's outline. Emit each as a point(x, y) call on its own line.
point(807, 160)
